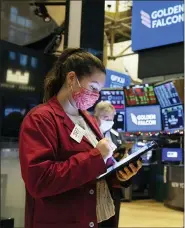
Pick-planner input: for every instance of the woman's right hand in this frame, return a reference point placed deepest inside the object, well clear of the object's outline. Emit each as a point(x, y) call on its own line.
point(104, 146)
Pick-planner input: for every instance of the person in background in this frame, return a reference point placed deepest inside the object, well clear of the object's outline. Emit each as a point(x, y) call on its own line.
point(104, 113)
point(62, 150)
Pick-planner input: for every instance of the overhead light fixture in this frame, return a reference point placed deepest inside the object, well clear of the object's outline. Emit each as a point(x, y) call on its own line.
point(41, 11)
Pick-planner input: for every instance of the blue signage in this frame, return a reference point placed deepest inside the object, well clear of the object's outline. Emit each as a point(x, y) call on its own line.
point(116, 80)
point(143, 118)
point(172, 154)
point(157, 23)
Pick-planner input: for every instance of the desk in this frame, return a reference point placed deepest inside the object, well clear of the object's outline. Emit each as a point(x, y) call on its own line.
point(174, 189)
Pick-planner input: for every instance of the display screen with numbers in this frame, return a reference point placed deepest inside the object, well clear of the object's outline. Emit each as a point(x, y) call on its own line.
point(140, 95)
point(167, 95)
point(114, 96)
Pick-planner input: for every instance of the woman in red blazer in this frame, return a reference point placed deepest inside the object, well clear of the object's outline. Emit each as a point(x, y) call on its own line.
point(62, 150)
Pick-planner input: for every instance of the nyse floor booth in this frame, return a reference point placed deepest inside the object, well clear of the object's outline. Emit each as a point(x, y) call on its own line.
point(157, 37)
point(151, 112)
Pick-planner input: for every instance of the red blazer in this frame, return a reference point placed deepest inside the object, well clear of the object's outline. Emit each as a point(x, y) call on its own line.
point(59, 173)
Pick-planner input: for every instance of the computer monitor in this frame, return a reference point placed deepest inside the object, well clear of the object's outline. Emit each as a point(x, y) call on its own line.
point(167, 95)
point(114, 96)
point(143, 119)
point(173, 118)
point(140, 95)
point(171, 154)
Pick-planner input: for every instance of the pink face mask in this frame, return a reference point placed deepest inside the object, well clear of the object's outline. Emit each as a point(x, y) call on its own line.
point(84, 99)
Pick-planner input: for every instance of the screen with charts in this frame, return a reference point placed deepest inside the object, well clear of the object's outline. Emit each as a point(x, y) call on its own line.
point(115, 97)
point(171, 154)
point(167, 95)
point(173, 118)
point(140, 95)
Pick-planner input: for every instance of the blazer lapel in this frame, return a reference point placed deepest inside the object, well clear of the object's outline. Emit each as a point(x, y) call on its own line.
point(94, 127)
point(69, 123)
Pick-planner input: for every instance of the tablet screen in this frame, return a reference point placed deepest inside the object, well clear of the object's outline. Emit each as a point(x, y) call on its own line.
point(130, 158)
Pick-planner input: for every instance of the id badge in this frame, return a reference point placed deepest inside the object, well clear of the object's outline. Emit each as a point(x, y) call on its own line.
point(77, 133)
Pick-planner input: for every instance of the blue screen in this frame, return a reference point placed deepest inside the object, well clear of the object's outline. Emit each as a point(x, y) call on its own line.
point(157, 23)
point(115, 97)
point(172, 154)
point(167, 95)
point(12, 55)
point(173, 118)
point(23, 59)
point(116, 80)
point(143, 118)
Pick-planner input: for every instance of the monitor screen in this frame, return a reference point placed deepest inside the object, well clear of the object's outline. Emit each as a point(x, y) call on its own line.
point(143, 118)
point(167, 95)
point(172, 154)
point(119, 121)
point(173, 118)
point(140, 95)
point(115, 97)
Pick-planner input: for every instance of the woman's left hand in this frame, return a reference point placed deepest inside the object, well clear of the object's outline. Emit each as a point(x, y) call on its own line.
point(126, 174)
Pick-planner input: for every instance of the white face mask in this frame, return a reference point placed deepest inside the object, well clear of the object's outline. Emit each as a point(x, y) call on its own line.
point(106, 125)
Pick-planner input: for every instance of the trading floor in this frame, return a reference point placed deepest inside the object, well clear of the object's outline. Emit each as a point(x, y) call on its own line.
point(149, 213)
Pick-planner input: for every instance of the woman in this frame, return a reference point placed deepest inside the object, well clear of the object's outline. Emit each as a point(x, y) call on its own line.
point(62, 150)
point(104, 114)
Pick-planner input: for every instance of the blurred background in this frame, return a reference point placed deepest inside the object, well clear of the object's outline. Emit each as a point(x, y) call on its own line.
point(142, 46)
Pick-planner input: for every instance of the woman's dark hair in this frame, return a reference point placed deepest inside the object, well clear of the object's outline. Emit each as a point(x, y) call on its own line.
point(78, 60)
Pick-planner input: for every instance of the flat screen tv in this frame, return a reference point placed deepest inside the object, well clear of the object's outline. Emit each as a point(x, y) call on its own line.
point(167, 95)
point(173, 118)
point(143, 119)
point(114, 96)
point(140, 95)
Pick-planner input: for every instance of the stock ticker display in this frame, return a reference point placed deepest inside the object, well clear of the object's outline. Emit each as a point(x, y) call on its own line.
point(167, 95)
point(140, 95)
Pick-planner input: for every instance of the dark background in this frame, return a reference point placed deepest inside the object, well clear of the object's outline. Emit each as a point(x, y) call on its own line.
point(161, 61)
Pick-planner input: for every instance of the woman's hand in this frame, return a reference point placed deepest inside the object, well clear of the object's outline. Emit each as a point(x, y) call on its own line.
point(126, 174)
point(119, 156)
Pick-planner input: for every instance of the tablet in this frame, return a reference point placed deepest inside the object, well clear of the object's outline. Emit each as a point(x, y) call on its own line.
point(130, 159)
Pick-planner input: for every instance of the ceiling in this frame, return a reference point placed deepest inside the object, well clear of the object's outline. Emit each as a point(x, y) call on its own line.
point(118, 20)
point(21, 26)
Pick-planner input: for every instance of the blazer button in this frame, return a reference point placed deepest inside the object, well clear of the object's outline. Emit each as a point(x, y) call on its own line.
point(91, 224)
point(91, 192)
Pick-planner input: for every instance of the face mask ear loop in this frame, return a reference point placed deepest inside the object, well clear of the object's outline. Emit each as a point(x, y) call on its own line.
point(78, 82)
point(71, 88)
